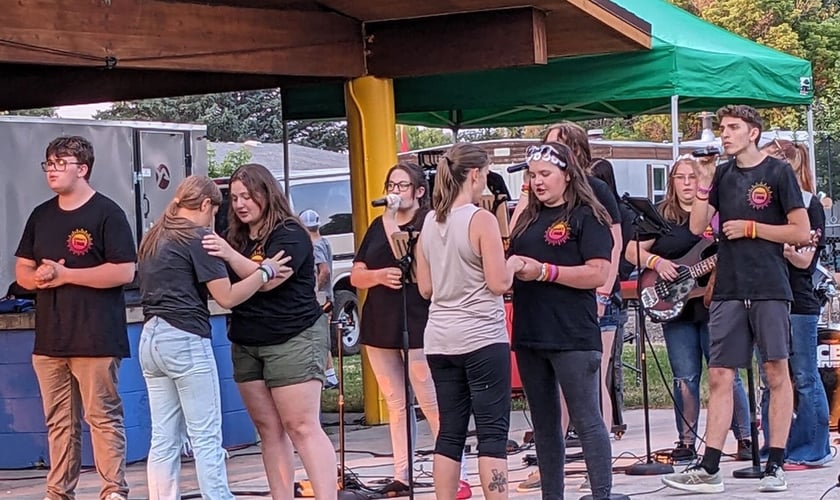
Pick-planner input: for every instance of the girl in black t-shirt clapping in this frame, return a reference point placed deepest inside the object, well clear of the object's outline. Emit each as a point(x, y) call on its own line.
point(562, 243)
point(280, 337)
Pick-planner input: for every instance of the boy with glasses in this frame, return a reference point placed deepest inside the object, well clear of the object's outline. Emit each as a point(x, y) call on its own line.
point(78, 251)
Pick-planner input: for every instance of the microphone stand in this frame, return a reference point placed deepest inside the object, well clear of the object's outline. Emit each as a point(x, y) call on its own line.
point(406, 262)
point(646, 221)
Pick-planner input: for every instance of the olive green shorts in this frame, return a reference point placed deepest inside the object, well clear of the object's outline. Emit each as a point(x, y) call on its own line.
point(301, 359)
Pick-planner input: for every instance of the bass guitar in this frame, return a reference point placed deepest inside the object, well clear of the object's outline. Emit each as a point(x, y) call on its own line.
point(665, 300)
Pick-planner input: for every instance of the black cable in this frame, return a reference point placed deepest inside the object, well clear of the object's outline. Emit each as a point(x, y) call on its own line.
point(649, 492)
point(829, 490)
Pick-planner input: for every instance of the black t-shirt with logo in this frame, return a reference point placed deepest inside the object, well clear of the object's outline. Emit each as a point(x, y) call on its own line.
point(73, 320)
point(550, 315)
point(275, 316)
point(382, 314)
point(753, 268)
point(675, 245)
point(173, 284)
point(804, 297)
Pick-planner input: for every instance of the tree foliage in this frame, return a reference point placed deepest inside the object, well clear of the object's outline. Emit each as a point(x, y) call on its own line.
point(233, 117)
point(228, 164)
point(47, 112)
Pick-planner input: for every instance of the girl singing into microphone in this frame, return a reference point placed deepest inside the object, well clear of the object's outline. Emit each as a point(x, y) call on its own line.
point(461, 267)
point(561, 248)
point(376, 270)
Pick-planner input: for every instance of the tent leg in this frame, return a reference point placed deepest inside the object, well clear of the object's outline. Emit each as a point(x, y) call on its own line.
point(675, 126)
point(286, 167)
point(809, 115)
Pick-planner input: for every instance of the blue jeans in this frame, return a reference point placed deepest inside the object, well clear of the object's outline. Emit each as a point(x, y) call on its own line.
point(687, 344)
point(183, 384)
point(808, 442)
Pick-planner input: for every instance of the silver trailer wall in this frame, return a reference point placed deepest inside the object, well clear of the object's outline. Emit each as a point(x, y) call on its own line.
point(137, 165)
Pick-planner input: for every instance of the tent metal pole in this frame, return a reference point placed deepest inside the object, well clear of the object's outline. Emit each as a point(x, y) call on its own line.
point(809, 116)
point(286, 167)
point(675, 126)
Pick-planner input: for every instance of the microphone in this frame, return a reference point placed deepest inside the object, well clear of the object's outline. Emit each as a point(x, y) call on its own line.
point(384, 201)
point(516, 168)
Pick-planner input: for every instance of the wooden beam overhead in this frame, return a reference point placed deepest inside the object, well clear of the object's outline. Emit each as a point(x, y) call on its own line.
point(152, 34)
point(25, 86)
point(458, 42)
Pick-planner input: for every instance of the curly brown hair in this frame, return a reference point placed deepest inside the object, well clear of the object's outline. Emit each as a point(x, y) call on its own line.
point(744, 112)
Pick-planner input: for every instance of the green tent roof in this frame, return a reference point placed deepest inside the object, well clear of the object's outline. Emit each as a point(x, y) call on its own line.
point(703, 64)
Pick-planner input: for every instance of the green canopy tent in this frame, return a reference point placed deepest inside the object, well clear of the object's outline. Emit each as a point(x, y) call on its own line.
point(692, 66)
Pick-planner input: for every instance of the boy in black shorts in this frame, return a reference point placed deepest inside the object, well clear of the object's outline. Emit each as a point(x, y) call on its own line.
point(761, 208)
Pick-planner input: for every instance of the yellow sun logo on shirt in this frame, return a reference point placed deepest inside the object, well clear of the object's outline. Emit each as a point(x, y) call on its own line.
point(79, 242)
point(558, 233)
point(760, 195)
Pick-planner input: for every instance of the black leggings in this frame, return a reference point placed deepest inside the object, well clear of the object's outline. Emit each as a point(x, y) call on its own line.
point(476, 383)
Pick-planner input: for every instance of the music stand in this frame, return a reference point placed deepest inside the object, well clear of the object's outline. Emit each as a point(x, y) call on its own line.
point(648, 222)
point(404, 242)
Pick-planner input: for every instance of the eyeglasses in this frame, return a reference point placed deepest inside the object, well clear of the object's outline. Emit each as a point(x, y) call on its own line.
point(682, 178)
point(401, 186)
point(59, 165)
point(545, 153)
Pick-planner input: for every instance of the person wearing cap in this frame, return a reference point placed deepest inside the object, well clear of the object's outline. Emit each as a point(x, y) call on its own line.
point(323, 275)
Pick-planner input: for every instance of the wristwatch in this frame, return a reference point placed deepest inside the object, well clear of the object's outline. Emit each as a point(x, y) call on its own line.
point(603, 298)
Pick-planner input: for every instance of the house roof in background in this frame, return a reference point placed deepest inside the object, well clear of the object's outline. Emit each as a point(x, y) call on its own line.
point(270, 155)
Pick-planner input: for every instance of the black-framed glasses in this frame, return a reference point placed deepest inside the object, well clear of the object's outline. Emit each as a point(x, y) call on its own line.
point(545, 153)
point(59, 165)
point(401, 186)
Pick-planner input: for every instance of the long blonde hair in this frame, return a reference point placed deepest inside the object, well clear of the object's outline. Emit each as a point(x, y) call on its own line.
point(190, 194)
point(796, 154)
point(578, 193)
point(452, 170)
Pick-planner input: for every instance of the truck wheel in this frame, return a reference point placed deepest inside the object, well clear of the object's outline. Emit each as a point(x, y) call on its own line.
point(346, 310)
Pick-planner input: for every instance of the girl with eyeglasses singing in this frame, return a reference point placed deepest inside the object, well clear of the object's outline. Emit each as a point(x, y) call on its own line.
point(376, 270)
point(560, 248)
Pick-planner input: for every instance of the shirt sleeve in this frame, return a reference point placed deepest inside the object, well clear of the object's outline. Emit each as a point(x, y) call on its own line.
point(26, 246)
point(207, 268)
point(117, 238)
point(362, 254)
point(713, 194)
point(595, 238)
point(293, 240)
point(320, 253)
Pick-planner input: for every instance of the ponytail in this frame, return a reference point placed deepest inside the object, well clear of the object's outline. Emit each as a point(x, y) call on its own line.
point(452, 170)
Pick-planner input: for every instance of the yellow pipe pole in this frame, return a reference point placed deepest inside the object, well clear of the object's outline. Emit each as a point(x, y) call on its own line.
point(371, 129)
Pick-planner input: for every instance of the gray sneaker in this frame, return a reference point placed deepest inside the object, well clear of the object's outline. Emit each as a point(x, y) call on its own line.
point(696, 480)
point(773, 479)
point(532, 483)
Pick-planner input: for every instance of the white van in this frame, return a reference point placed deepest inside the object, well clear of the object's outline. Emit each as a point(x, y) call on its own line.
point(327, 191)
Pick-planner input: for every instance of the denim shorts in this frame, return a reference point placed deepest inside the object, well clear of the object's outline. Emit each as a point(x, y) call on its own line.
point(301, 359)
point(611, 317)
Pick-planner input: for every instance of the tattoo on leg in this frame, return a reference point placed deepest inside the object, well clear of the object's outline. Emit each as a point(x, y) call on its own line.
point(498, 481)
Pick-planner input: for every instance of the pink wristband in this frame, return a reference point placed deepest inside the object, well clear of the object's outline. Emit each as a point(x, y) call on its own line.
point(704, 190)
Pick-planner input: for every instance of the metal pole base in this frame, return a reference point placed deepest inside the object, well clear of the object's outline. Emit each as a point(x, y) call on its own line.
point(614, 496)
point(751, 472)
point(649, 469)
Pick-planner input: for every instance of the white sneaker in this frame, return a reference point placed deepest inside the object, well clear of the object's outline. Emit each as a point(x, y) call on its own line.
point(773, 479)
point(695, 479)
point(115, 496)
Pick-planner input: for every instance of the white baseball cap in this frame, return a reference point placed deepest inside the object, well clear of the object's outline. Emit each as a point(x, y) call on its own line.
point(310, 219)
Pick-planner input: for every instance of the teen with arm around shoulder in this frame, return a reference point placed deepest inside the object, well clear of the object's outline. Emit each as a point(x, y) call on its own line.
point(561, 248)
point(279, 337)
point(175, 275)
